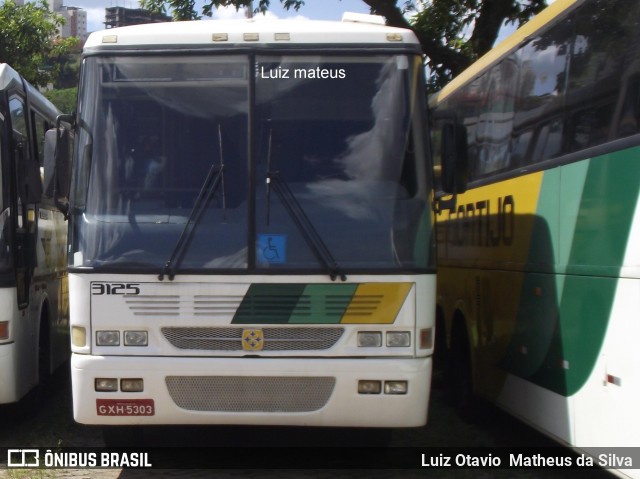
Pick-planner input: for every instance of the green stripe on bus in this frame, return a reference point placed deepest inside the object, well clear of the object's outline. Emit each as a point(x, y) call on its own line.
point(563, 317)
point(294, 303)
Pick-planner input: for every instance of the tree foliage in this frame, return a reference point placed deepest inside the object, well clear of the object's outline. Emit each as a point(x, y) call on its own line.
point(29, 40)
point(453, 33)
point(64, 99)
point(457, 32)
point(180, 9)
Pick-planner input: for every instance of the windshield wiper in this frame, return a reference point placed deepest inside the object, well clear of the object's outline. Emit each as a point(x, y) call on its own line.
point(209, 188)
point(304, 225)
point(300, 219)
point(214, 179)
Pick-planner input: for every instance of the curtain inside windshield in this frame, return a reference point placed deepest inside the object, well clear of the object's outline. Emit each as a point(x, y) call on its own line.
point(159, 127)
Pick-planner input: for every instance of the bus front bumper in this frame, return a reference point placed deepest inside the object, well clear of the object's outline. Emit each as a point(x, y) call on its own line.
point(251, 391)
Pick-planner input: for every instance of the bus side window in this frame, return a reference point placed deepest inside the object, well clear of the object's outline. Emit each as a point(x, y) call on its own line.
point(29, 188)
point(548, 141)
point(590, 126)
point(630, 115)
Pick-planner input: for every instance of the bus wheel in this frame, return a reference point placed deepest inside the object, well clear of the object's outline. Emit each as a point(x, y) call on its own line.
point(440, 347)
point(460, 380)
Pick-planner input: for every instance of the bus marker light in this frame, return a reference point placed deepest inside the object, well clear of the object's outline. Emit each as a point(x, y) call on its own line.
point(220, 37)
point(426, 338)
point(281, 36)
point(106, 384)
point(369, 339)
point(398, 339)
point(616, 381)
point(367, 386)
point(4, 329)
point(131, 385)
point(136, 338)
point(78, 336)
point(108, 338)
point(395, 387)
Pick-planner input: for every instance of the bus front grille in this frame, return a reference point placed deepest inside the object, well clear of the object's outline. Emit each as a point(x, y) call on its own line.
point(275, 338)
point(237, 394)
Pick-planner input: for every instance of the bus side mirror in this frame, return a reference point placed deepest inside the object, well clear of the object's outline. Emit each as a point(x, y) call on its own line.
point(57, 148)
point(455, 161)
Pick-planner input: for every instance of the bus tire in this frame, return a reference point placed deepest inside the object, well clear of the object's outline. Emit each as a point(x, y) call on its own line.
point(461, 384)
point(440, 353)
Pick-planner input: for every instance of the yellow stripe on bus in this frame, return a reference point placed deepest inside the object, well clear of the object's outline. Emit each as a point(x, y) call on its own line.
point(490, 223)
point(376, 303)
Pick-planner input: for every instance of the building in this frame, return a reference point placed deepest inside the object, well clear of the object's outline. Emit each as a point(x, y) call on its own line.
point(75, 20)
point(121, 17)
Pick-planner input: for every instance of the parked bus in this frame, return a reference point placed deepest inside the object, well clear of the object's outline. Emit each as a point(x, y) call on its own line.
point(250, 233)
point(34, 336)
point(539, 266)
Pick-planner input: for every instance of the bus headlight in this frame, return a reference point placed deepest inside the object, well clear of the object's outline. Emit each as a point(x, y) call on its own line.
point(369, 339)
point(367, 386)
point(136, 338)
point(395, 387)
point(132, 385)
point(108, 338)
point(398, 339)
point(106, 385)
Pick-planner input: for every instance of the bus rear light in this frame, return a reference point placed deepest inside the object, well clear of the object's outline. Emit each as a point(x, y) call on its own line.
point(367, 386)
point(369, 339)
point(132, 385)
point(426, 338)
point(136, 338)
point(398, 339)
point(106, 385)
point(108, 338)
point(78, 336)
point(4, 330)
point(396, 387)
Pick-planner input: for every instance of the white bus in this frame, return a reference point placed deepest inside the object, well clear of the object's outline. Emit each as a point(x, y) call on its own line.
point(250, 232)
point(34, 336)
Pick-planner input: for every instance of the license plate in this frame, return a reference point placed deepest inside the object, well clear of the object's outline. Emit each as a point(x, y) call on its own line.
point(125, 407)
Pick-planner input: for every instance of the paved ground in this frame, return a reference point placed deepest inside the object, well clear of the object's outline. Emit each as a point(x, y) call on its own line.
point(52, 426)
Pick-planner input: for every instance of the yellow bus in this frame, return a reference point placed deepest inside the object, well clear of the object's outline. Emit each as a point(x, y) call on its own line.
point(539, 224)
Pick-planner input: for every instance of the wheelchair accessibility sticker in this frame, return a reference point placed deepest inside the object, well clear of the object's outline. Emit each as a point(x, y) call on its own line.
point(272, 249)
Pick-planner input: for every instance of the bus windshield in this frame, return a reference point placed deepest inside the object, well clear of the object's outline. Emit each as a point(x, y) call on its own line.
point(236, 162)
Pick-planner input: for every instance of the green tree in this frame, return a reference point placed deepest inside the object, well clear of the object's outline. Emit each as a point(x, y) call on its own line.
point(453, 33)
point(29, 40)
point(64, 99)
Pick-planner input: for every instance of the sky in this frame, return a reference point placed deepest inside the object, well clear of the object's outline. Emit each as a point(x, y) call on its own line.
point(313, 9)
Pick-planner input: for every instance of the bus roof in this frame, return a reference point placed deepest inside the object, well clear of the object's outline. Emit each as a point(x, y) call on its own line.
point(354, 29)
point(553, 11)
